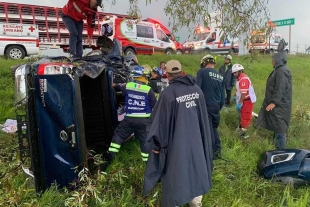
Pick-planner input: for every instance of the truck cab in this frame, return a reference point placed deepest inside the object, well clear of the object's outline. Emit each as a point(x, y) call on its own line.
point(262, 42)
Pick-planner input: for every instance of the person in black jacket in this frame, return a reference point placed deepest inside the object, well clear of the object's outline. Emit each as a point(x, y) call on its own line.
point(229, 79)
point(155, 81)
point(275, 113)
point(179, 142)
point(212, 85)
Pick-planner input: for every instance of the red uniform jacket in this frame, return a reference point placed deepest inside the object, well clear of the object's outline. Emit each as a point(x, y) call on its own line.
point(79, 10)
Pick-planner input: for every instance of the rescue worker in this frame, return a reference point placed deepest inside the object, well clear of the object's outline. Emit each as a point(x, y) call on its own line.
point(73, 14)
point(179, 142)
point(164, 78)
point(211, 83)
point(245, 98)
point(229, 78)
point(155, 81)
point(275, 113)
point(140, 100)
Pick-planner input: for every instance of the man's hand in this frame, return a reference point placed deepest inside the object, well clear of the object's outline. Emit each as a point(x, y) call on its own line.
point(113, 85)
point(156, 152)
point(270, 107)
point(89, 41)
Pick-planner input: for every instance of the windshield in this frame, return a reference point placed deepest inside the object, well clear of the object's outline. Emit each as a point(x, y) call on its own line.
point(201, 36)
point(258, 38)
point(172, 37)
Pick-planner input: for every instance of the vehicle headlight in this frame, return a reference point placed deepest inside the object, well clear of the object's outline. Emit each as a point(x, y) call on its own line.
point(20, 84)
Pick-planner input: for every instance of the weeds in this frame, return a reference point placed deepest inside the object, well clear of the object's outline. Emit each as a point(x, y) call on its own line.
point(235, 180)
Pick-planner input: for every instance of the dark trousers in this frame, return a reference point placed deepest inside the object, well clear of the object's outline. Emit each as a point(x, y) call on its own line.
point(76, 35)
point(214, 120)
point(228, 97)
point(138, 126)
point(280, 140)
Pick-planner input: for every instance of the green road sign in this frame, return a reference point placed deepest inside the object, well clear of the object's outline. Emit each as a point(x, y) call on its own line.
point(177, 38)
point(284, 22)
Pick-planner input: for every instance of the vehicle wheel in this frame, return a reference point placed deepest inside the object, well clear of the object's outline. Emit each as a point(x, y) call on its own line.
point(169, 52)
point(179, 52)
point(129, 51)
point(231, 51)
point(207, 51)
point(271, 51)
point(286, 51)
point(15, 52)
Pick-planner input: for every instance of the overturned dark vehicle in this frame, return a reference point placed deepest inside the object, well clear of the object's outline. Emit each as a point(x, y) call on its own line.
point(66, 108)
point(287, 166)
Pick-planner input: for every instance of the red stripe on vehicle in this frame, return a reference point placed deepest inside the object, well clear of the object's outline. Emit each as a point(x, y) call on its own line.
point(11, 39)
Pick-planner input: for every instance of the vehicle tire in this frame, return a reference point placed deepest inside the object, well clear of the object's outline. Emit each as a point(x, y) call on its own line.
point(231, 51)
point(169, 52)
point(15, 52)
point(271, 51)
point(207, 51)
point(286, 51)
point(129, 51)
point(179, 52)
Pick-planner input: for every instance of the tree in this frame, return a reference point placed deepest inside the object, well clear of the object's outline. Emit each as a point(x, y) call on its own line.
point(235, 17)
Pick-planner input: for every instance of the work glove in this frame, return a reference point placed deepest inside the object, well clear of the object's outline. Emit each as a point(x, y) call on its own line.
point(235, 98)
point(239, 105)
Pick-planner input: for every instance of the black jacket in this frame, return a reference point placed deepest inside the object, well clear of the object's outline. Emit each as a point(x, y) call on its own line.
point(229, 78)
point(279, 92)
point(156, 84)
point(180, 132)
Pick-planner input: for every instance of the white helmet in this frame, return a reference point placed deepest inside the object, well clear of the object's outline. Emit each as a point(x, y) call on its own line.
point(236, 68)
point(228, 57)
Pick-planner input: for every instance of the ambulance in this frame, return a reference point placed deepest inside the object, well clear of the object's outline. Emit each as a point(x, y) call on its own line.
point(139, 36)
point(211, 40)
point(18, 40)
point(262, 42)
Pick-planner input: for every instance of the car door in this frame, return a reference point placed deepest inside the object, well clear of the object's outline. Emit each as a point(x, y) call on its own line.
point(163, 42)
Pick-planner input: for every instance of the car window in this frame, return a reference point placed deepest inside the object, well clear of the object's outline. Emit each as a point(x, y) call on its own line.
point(145, 31)
point(161, 36)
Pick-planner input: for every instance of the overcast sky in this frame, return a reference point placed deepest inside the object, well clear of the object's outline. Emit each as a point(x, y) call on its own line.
point(279, 9)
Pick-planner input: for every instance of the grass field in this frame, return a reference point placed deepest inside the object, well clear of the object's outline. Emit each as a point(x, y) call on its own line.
point(235, 181)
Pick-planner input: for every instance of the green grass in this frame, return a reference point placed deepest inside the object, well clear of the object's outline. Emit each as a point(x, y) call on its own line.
point(235, 181)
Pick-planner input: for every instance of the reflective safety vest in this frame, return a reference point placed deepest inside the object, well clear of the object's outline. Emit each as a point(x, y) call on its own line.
point(250, 94)
point(137, 100)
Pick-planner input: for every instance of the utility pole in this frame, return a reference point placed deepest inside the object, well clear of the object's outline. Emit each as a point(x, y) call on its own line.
point(297, 49)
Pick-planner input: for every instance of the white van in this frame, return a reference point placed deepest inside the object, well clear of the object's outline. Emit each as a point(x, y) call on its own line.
point(140, 37)
point(211, 40)
point(19, 40)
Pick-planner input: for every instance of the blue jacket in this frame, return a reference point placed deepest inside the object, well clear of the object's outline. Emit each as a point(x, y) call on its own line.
point(229, 78)
point(212, 85)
